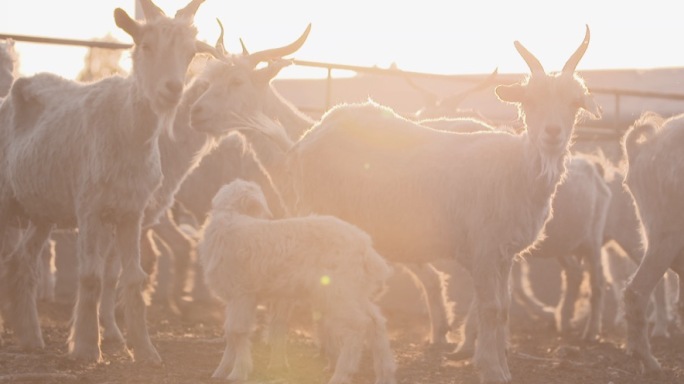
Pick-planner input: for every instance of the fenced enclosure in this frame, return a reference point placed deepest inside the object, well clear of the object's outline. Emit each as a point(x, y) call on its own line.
point(387, 86)
point(618, 103)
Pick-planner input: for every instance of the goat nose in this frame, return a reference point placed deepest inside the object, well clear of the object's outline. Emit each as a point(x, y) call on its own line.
point(553, 130)
point(174, 87)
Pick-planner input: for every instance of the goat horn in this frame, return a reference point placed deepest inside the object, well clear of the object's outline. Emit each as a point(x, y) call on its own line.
point(572, 62)
point(150, 10)
point(245, 51)
point(189, 11)
point(219, 42)
point(430, 97)
point(454, 100)
point(269, 54)
point(532, 62)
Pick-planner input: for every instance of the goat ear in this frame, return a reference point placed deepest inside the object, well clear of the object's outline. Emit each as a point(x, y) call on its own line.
point(514, 93)
point(267, 74)
point(253, 207)
point(589, 105)
point(126, 23)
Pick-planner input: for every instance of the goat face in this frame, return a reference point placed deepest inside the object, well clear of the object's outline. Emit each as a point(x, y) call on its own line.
point(550, 103)
point(231, 91)
point(163, 50)
point(235, 92)
point(243, 197)
point(550, 109)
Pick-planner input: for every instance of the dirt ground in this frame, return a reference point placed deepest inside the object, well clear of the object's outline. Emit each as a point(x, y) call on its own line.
point(191, 348)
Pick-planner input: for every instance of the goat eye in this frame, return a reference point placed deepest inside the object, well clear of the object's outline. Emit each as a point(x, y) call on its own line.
point(146, 48)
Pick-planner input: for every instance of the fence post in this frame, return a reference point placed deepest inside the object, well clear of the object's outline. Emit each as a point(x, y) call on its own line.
point(328, 91)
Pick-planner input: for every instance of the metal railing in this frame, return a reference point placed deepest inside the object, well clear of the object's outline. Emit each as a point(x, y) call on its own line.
point(617, 93)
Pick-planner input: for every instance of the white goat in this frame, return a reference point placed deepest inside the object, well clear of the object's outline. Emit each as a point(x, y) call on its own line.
point(653, 148)
point(624, 250)
point(425, 195)
point(248, 258)
point(87, 156)
point(574, 233)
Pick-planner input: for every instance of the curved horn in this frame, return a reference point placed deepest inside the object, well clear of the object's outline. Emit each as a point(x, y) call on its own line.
point(572, 62)
point(430, 97)
point(532, 62)
point(219, 42)
point(150, 10)
point(269, 54)
point(453, 101)
point(189, 11)
point(245, 51)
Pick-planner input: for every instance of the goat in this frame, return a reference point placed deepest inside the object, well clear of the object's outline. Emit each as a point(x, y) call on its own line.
point(655, 163)
point(247, 258)
point(575, 232)
point(87, 156)
point(623, 245)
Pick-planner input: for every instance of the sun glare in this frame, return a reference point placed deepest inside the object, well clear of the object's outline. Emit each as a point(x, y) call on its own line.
point(427, 36)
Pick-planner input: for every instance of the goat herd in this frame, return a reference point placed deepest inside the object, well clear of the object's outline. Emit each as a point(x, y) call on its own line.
point(336, 201)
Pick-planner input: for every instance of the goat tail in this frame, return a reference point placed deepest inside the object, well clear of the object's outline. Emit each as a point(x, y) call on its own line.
point(640, 132)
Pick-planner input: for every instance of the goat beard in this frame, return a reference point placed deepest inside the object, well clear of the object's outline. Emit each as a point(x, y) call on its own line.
point(552, 167)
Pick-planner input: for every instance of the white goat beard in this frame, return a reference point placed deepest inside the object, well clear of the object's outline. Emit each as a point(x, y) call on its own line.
point(166, 124)
point(551, 167)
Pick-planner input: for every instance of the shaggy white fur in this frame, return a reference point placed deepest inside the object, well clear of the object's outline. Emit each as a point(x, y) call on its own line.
point(248, 258)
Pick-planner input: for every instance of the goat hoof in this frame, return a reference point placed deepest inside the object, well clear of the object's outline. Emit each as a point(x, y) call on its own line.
point(651, 366)
point(32, 345)
point(660, 333)
point(86, 355)
point(114, 346)
point(498, 380)
point(459, 354)
point(386, 381)
point(150, 356)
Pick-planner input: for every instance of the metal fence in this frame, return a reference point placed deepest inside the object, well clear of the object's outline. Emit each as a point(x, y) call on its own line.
point(604, 130)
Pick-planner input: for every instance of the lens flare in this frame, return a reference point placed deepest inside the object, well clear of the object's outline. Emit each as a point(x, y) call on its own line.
point(325, 280)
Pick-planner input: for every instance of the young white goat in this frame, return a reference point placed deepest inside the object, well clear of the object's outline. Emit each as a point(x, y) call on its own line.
point(87, 156)
point(425, 195)
point(653, 148)
point(248, 257)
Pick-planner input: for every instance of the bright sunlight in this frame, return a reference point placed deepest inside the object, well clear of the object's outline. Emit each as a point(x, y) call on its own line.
point(427, 36)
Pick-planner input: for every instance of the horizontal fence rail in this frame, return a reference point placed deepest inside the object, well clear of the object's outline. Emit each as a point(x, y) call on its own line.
point(606, 131)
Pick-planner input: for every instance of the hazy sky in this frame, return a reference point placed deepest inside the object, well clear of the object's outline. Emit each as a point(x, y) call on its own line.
point(428, 35)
